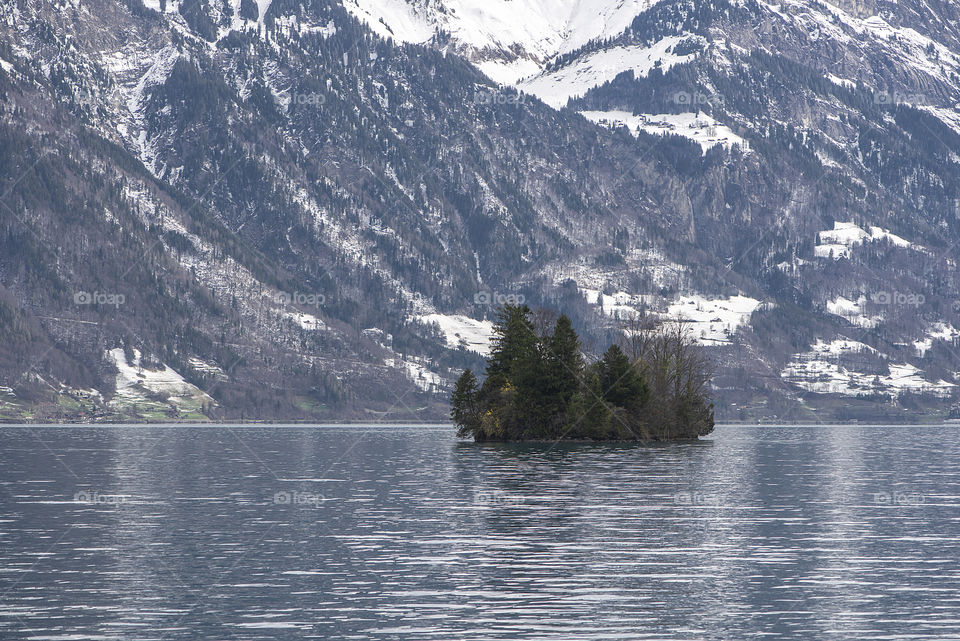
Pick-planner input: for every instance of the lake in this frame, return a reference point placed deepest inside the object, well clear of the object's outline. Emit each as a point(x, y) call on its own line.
point(380, 532)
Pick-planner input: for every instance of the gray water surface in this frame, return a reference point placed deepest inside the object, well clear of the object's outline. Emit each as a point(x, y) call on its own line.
point(209, 533)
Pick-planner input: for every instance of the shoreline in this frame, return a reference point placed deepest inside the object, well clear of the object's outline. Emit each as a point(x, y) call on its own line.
point(294, 423)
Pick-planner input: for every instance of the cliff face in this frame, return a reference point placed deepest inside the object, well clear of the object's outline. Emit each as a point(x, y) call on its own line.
point(287, 215)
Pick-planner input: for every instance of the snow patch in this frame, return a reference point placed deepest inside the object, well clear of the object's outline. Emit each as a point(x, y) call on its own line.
point(949, 117)
point(419, 374)
point(817, 371)
point(618, 304)
point(853, 311)
point(938, 332)
point(713, 321)
point(700, 128)
point(592, 70)
point(135, 384)
point(305, 321)
point(394, 19)
point(464, 331)
point(841, 82)
point(838, 242)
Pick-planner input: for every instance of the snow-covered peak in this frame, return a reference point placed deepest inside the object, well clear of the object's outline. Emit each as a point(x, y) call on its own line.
point(506, 40)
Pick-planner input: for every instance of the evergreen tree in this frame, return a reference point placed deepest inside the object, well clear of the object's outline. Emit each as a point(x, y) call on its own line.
point(565, 362)
point(589, 414)
point(559, 378)
point(511, 373)
point(622, 384)
point(464, 409)
point(249, 10)
point(537, 387)
point(514, 344)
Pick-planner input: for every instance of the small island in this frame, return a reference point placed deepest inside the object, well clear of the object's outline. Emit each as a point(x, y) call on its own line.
point(538, 386)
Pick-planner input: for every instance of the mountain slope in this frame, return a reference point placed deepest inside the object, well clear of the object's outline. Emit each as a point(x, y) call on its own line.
point(306, 220)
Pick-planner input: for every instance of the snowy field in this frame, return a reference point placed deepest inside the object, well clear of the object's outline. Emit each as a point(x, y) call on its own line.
point(700, 128)
point(713, 321)
point(837, 242)
point(506, 40)
point(820, 372)
point(136, 384)
point(556, 87)
point(853, 311)
point(463, 331)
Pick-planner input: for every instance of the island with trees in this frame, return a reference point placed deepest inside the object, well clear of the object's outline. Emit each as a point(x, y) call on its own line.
point(539, 387)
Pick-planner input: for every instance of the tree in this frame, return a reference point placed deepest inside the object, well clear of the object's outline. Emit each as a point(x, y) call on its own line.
point(621, 382)
point(249, 10)
point(565, 362)
point(512, 372)
point(589, 414)
point(678, 373)
point(537, 385)
point(514, 344)
point(464, 410)
point(547, 382)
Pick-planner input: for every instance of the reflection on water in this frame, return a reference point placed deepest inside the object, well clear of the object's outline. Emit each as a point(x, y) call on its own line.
point(403, 533)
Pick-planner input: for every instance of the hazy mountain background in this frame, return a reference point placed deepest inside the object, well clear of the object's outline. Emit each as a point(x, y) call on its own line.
point(309, 209)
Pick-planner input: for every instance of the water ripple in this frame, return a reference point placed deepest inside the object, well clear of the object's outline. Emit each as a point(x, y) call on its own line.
point(403, 533)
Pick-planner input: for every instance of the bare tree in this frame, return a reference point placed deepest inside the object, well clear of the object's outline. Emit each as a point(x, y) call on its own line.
point(677, 370)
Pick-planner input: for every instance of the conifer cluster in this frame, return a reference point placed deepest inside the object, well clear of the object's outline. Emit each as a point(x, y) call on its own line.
point(539, 387)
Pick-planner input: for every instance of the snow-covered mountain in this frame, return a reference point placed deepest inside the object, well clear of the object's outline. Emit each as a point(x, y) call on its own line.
point(310, 208)
point(560, 49)
point(507, 40)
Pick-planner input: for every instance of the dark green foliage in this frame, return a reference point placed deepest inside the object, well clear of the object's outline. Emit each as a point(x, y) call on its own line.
point(514, 346)
point(539, 388)
point(564, 364)
point(249, 10)
point(463, 404)
point(621, 383)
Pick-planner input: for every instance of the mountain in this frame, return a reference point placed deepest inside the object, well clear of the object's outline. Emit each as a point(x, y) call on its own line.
point(309, 210)
point(506, 40)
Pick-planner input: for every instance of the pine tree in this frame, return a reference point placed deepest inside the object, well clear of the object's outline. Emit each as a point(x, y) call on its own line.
point(622, 384)
point(589, 414)
point(564, 359)
point(464, 409)
point(514, 342)
point(537, 387)
point(512, 365)
point(560, 375)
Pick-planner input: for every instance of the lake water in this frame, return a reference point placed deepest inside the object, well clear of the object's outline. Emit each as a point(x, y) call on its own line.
point(209, 533)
